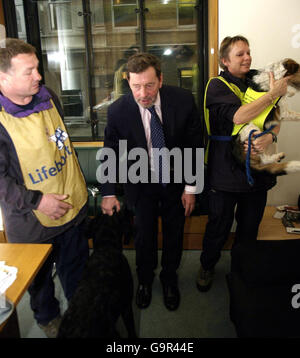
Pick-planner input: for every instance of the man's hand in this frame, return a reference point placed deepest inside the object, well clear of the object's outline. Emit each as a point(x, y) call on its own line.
point(188, 202)
point(54, 206)
point(108, 204)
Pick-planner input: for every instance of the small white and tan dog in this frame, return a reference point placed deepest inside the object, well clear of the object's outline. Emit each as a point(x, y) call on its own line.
point(261, 80)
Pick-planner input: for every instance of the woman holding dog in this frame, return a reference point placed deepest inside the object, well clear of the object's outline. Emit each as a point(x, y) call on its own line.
point(228, 184)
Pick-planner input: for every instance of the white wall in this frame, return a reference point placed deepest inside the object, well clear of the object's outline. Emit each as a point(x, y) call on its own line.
point(273, 30)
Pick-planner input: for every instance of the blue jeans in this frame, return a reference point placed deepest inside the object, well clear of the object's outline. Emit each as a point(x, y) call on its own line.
point(70, 252)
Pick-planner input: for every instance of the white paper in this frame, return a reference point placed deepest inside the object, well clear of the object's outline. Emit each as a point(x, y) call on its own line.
point(279, 215)
point(293, 230)
point(8, 274)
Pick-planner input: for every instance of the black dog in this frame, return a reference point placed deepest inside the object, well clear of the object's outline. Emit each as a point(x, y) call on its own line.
point(106, 290)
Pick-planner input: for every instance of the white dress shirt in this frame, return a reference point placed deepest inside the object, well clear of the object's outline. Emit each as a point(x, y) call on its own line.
point(146, 118)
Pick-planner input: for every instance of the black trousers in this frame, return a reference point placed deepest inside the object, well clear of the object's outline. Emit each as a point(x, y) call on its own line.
point(249, 212)
point(157, 200)
point(70, 252)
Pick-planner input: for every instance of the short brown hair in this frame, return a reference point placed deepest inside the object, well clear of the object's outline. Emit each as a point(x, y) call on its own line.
point(141, 61)
point(225, 47)
point(13, 47)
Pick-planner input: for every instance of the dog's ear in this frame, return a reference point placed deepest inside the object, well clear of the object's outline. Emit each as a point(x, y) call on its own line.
point(291, 66)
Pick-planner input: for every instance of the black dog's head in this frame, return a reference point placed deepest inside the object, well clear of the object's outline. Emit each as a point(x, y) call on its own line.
point(108, 230)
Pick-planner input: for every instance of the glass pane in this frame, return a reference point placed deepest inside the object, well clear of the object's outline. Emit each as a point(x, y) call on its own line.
point(124, 2)
point(64, 60)
point(161, 14)
point(125, 16)
point(111, 49)
point(60, 16)
point(186, 13)
point(170, 34)
point(174, 44)
point(20, 20)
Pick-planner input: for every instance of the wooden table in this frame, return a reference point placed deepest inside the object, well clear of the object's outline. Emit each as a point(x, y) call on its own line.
point(273, 229)
point(269, 229)
point(28, 258)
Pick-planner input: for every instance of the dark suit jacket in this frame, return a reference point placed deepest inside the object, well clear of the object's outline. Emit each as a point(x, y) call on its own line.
point(181, 125)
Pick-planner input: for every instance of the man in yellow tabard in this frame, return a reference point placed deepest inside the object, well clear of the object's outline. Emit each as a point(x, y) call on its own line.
point(43, 194)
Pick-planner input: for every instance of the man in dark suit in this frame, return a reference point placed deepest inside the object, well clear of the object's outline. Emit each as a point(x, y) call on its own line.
point(131, 118)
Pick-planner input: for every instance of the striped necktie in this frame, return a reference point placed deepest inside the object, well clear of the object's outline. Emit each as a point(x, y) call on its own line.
point(158, 141)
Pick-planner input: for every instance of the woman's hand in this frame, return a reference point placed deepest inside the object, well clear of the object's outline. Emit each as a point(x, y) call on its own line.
point(260, 144)
point(249, 111)
point(277, 88)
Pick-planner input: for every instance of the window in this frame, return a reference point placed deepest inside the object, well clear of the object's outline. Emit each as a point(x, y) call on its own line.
point(89, 75)
point(97, 10)
point(124, 13)
point(186, 13)
point(20, 20)
point(60, 15)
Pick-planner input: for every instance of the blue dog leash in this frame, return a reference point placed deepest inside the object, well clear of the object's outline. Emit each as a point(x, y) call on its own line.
point(248, 169)
point(222, 138)
point(229, 138)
